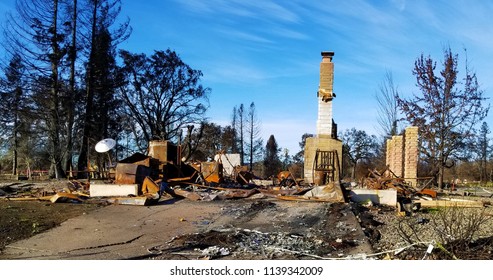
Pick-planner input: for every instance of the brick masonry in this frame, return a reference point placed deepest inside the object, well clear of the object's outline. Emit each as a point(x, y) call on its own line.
point(411, 153)
point(323, 144)
point(324, 140)
point(325, 95)
point(396, 163)
point(402, 155)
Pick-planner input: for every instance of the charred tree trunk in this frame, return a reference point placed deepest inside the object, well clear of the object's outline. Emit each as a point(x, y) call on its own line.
point(82, 164)
point(56, 170)
point(15, 139)
point(70, 99)
point(14, 159)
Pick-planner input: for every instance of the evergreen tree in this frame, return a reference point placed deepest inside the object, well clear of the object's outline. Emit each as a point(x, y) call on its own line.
point(272, 163)
point(100, 84)
point(14, 108)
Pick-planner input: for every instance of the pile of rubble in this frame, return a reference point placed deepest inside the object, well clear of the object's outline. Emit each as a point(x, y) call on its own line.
point(410, 198)
point(142, 180)
point(147, 179)
point(55, 192)
point(241, 243)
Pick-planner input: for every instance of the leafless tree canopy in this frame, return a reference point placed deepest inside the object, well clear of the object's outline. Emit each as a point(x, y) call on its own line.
point(446, 110)
point(162, 93)
point(253, 129)
point(388, 110)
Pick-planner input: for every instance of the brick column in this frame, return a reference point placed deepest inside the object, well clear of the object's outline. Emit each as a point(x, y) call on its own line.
point(411, 155)
point(396, 160)
point(388, 152)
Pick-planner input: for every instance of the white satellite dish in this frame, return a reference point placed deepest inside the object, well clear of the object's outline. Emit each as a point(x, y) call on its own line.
point(105, 145)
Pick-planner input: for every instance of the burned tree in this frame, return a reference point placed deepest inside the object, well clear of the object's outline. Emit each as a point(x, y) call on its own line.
point(233, 132)
point(254, 144)
point(37, 34)
point(162, 94)
point(53, 37)
point(387, 106)
point(240, 130)
point(14, 107)
point(207, 140)
point(445, 114)
point(101, 39)
point(71, 93)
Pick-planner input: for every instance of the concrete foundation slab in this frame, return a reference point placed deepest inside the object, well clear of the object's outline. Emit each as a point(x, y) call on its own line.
point(96, 190)
point(385, 197)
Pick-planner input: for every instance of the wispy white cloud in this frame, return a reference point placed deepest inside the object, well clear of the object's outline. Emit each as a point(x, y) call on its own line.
point(258, 19)
point(264, 10)
point(244, 36)
point(399, 4)
point(243, 72)
point(289, 33)
point(273, 10)
point(232, 72)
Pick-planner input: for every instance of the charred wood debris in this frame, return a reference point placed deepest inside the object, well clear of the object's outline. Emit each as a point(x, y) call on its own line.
point(163, 175)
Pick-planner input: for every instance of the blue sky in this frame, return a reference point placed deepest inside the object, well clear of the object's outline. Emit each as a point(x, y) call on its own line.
point(268, 52)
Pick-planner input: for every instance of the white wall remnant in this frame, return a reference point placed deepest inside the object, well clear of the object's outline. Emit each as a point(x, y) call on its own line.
point(230, 161)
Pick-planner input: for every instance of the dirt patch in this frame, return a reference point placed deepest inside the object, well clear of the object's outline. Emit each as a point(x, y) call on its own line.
point(23, 219)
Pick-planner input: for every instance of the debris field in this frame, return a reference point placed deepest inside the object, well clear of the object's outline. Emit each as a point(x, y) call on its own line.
point(245, 217)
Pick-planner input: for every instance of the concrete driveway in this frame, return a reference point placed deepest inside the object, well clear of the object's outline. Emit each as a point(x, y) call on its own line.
point(119, 232)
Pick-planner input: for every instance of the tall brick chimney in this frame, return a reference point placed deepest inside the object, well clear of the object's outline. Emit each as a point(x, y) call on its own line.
point(323, 152)
point(325, 95)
